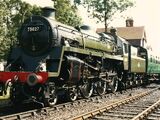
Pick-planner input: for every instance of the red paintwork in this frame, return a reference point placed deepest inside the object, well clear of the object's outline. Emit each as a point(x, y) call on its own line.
point(22, 76)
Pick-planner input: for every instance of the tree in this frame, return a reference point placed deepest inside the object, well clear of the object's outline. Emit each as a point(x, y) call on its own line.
point(66, 13)
point(104, 10)
point(3, 28)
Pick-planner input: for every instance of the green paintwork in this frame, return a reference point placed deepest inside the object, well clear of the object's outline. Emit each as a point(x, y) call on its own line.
point(138, 65)
point(153, 66)
point(93, 53)
point(125, 62)
point(86, 39)
point(85, 52)
point(99, 45)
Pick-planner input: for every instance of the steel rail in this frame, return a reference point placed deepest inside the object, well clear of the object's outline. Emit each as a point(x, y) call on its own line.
point(32, 113)
point(147, 111)
point(48, 109)
point(111, 106)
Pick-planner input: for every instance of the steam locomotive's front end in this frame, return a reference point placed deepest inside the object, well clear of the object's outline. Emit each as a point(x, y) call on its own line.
point(28, 63)
point(37, 35)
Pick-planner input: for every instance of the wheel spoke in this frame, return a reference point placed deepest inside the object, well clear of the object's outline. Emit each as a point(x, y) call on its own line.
point(101, 87)
point(113, 85)
point(86, 90)
point(52, 100)
point(72, 94)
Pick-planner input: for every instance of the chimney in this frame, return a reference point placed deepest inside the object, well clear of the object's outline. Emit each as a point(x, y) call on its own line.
point(129, 22)
point(113, 31)
point(49, 12)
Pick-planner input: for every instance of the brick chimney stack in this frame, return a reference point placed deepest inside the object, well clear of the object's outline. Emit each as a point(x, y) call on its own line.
point(129, 22)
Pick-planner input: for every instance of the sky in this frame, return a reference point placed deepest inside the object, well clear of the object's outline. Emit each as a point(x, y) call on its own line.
point(144, 13)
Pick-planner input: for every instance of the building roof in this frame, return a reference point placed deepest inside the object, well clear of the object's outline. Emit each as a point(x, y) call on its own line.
point(129, 33)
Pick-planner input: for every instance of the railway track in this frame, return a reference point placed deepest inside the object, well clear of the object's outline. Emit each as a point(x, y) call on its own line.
point(151, 113)
point(137, 107)
point(11, 112)
point(51, 112)
point(155, 115)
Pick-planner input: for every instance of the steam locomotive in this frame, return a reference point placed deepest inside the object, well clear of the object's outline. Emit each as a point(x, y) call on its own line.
point(51, 59)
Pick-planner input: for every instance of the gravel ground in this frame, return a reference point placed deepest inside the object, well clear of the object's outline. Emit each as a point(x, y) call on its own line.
point(129, 111)
point(84, 107)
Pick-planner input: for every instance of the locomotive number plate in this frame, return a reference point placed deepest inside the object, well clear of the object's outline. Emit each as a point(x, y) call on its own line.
point(34, 28)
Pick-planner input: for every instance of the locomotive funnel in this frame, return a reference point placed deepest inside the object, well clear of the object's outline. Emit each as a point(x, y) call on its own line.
point(49, 12)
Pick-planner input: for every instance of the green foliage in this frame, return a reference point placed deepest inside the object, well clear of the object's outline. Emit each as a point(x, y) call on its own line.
point(3, 28)
point(104, 10)
point(66, 13)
